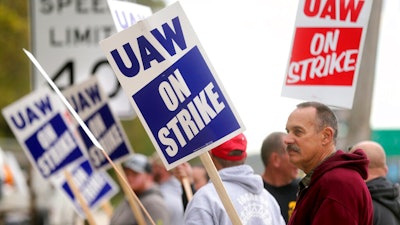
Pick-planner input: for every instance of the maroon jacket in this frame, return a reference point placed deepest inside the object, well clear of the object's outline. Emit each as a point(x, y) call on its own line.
point(337, 193)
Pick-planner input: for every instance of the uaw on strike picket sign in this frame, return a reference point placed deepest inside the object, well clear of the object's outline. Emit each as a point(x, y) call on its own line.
point(91, 103)
point(95, 187)
point(172, 86)
point(326, 51)
point(38, 122)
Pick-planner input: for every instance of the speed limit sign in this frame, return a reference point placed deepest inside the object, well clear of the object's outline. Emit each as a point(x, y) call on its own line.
point(65, 39)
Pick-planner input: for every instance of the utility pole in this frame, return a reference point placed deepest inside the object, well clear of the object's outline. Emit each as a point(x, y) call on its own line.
point(358, 118)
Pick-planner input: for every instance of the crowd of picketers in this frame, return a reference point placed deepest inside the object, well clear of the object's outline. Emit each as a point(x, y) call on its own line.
point(344, 187)
point(305, 180)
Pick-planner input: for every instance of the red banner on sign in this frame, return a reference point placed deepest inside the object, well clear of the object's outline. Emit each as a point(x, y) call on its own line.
point(324, 56)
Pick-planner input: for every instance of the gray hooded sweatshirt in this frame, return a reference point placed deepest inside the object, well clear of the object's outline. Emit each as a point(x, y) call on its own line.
point(254, 204)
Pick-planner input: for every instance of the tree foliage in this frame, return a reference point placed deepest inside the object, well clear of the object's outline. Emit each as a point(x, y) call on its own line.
point(14, 66)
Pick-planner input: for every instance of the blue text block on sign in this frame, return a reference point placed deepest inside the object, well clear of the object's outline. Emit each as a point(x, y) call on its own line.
point(185, 108)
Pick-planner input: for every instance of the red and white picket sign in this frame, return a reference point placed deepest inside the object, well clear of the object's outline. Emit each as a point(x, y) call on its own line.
point(326, 51)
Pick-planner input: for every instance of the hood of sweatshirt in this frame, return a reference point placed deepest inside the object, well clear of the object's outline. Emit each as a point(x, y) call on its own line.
point(357, 161)
point(386, 193)
point(244, 176)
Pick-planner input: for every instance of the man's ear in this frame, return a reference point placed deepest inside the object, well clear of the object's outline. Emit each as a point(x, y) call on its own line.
point(386, 169)
point(275, 159)
point(327, 135)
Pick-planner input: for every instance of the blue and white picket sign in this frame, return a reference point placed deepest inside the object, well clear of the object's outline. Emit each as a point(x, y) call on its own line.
point(39, 124)
point(91, 103)
point(96, 187)
point(125, 14)
point(172, 86)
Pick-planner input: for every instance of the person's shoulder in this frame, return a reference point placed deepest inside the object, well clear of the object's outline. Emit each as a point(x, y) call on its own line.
point(341, 175)
point(206, 189)
point(341, 180)
point(205, 195)
point(265, 192)
point(151, 194)
point(205, 198)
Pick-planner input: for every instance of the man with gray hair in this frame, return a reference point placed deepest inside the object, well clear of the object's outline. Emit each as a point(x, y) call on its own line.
point(333, 190)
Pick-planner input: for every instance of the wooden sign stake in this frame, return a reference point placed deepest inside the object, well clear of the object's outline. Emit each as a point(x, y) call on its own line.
point(223, 195)
point(79, 197)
